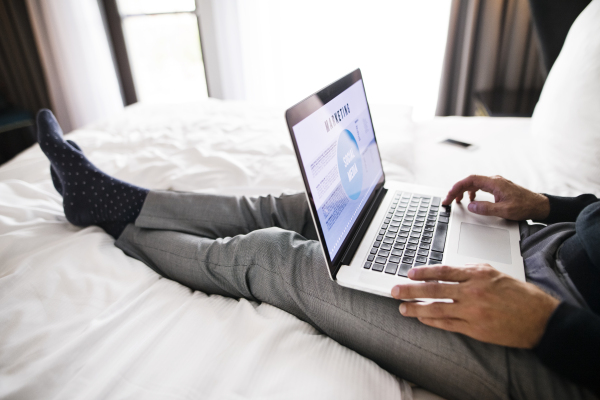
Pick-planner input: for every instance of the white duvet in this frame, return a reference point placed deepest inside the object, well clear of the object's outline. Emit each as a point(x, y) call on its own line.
point(79, 319)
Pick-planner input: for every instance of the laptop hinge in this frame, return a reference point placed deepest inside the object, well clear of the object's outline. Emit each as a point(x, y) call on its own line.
point(362, 229)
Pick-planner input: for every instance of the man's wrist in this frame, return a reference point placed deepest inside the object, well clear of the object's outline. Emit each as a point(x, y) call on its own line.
point(541, 208)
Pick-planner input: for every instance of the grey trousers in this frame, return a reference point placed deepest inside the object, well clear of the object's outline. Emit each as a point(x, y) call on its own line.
point(265, 249)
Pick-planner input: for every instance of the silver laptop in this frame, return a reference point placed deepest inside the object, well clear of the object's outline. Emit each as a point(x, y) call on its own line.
point(372, 231)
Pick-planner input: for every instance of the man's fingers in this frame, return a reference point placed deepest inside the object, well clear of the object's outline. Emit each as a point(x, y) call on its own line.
point(483, 208)
point(431, 290)
point(471, 183)
point(428, 310)
point(472, 194)
point(448, 324)
point(439, 273)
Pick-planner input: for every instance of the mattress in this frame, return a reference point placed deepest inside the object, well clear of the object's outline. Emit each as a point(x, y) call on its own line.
point(79, 319)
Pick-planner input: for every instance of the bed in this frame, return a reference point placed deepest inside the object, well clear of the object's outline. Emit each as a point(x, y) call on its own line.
point(79, 319)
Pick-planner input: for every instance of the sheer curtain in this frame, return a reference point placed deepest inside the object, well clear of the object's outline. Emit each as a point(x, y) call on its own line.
point(282, 51)
point(77, 60)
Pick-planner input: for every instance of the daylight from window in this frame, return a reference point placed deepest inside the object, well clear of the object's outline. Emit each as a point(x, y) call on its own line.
point(293, 48)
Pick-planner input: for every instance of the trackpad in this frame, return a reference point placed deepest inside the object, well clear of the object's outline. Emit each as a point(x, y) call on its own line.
point(484, 242)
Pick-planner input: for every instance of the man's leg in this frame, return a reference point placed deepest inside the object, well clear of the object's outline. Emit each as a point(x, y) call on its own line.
point(284, 269)
point(215, 216)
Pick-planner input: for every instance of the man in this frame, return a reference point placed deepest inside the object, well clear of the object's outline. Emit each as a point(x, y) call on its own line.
point(500, 338)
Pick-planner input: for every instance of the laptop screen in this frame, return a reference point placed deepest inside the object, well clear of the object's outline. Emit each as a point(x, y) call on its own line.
point(340, 161)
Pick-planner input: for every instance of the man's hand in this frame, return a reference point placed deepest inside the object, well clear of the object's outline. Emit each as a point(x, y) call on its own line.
point(488, 305)
point(512, 201)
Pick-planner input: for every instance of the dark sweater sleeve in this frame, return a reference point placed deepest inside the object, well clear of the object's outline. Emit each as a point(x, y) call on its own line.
point(571, 345)
point(566, 209)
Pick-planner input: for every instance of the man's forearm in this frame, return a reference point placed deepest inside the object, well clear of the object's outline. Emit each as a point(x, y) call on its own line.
point(566, 209)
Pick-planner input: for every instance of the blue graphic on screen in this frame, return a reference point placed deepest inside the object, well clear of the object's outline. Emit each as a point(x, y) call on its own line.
point(341, 162)
point(349, 164)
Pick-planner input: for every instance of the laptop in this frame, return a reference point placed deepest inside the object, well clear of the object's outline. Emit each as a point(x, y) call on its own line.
point(373, 231)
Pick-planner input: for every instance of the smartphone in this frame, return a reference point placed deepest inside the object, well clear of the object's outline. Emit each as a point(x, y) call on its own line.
point(458, 143)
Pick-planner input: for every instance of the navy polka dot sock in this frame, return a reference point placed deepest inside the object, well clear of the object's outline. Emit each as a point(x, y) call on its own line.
point(90, 197)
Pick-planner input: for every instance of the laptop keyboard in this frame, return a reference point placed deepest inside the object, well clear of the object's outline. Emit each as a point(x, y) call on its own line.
point(413, 233)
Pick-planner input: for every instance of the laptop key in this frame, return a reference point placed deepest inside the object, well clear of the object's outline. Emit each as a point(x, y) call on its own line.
point(421, 259)
point(367, 265)
point(423, 252)
point(397, 252)
point(371, 257)
point(390, 234)
point(418, 264)
point(393, 229)
point(380, 237)
point(382, 232)
point(388, 240)
point(439, 240)
point(409, 253)
point(383, 253)
point(414, 241)
point(428, 229)
point(427, 234)
point(411, 246)
point(374, 250)
point(443, 219)
point(391, 268)
point(403, 234)
point(377, 267)
point(436, 201)
point(426, 240)
point(415, 235)
point(381, 260)
point(433, 262)
point(424, 246)
point(403, 271)
point(377, 243)
point(384, 226)
point(436, 255)
point(399, 246)
point(386, 246)
point(395, 259)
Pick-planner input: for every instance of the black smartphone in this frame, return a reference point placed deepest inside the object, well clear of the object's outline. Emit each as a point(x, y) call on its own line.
point(458, 143)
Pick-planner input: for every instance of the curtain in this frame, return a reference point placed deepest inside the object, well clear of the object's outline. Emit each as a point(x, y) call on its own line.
point(492, 45)
point(22, 82)
point(77, 60)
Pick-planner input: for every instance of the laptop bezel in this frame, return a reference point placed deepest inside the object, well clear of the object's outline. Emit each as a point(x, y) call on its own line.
point(301, 111)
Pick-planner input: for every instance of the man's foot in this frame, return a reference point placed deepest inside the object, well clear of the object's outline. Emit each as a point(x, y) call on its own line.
point(90, 197)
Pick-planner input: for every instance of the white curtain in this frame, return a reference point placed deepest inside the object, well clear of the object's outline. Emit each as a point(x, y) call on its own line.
point(77, 60)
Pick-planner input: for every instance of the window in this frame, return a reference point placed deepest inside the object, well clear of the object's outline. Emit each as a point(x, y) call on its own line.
point(163, 46)
point(292, 48)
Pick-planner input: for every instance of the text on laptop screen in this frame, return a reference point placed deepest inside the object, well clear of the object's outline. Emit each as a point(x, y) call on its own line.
point(341, 161)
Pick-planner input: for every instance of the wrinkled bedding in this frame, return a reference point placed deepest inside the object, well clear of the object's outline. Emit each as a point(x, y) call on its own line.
point(79, 319)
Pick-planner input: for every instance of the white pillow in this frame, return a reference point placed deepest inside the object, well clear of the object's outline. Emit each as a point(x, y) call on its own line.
point(566, 120)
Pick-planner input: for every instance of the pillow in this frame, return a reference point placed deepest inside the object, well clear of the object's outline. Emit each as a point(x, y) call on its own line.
point(566, 120)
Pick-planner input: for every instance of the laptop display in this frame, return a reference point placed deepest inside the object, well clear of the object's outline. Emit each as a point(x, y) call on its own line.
point(339, 159)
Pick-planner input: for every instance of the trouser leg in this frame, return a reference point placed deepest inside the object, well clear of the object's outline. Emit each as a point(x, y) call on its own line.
point(215, 216)
point(284, 269)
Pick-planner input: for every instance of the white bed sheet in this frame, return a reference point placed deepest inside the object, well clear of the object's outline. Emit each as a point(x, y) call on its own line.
point(79, 319)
